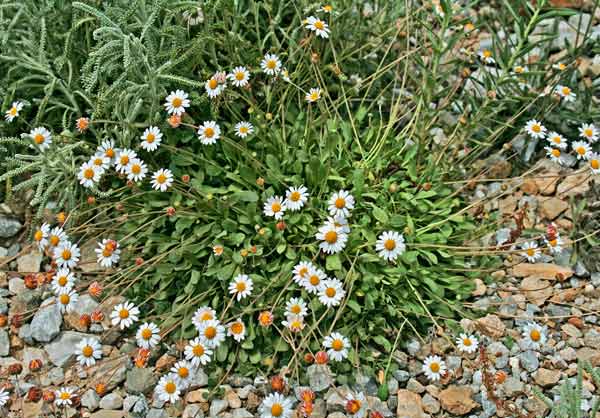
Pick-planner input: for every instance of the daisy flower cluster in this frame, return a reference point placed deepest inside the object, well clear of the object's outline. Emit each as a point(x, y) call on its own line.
point(553, 243)
point(558, 144)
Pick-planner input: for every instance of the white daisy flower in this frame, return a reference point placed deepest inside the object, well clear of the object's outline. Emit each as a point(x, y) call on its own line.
point(534, 335)
point(520, 69)
point(237, 330)
point(212, 332)
point(589, 132)
point(209, 132)
point(294, 323)
point(41, 137)
point(535, 129)
point(531, 251)
point(285, 75)
point(275, 207)
point(243, 129)
point(88, 350)
point(4, 397)
point(486, 57)
point(88, 175)
point(107, 149)
point(124, 315)
point(275, 405)
point(339, 222)
point(582, 149)
point(63, 281)
point(63, 396)
point(467, 343)
point(557, 140)
point(168, 388)
point(565, 92)
point(162, 179)
point(434, 368)
point(176, 102)
point(296, 197)
point(66, 255)
point(314, 280)
point(554, 245)
point(183, 372)
point(313, 95)
point(40, 236)
point(123, 159)
point(66, 300)
point(213, 87)
point(148, 335)
point(554, 154)
point(296, 306)
point(301, 271)
point(204, 313)
point(13, 112)
point(560, 66)
point(594, 162)
point(341, 203)
point(151, 138)
point(270, 64)
point(197, 352)
point(356, 405)
point(337, 346)
point(136, 170)
point(57, 237)
point(331, 292)
point(100, 162)
point(333, 239)
point(318, 26)
point(241, 287)
point(390, 245)
point(239, 76)
point(108, 252)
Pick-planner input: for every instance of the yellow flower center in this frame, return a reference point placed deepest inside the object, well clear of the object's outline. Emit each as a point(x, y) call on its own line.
point(487, 53)
point(434, 367)
point(330, 292)
point(237, 328)
point(314, 96)
point(331, 237)
point(66, 254)
point(276, 410)
point(65, 299)
point(337, 344)
point(327, 8)
point(276, 207)
point(176, 102)
point(530, 252)
point(555, 153)
point(296, 324)
point(98, 161)
point(54, 240)
point(561, 66)
point(240, 287)
point(467, 342)
point(271, 64)
point(109, 152)
point(183, 372)
point(556, 139)
point(209, 132)
point(536, 128)
point(296, 309)
point(295, 196)
point(198, 350)
point(553, 242)
point(170, 387)
point(146, 333)
point(595, 164)
point(566, 91)
point(319, 25)
point(124, 160)
point(87, 351)
point(124, 313)
point(340, 203)
point(65, 395)
point(13, 111)
point(243, 129)
point(303, 270)
point(150, 138)
point(161, 178)
point(535, 335)
point(239, 75)
point(210, 332)
point(314, 280)
point(88, 173)
point(38, 235)
point(581, 150)
point(588, 132)
point(38, 138)
point(62, 281)
point(136, 169)
point(519, 70)
point(213, 83)
point(389, 244)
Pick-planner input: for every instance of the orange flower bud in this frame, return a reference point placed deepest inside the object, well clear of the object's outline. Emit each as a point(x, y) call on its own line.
point(34, 394)
point(321, 357)
point(185, 178)
point(280, 225)
point(100, 389)
point(174, 121)
point(97, 316)
point(30, 282)
point(170, 211)
point(35, 365)
point(95, 289)
point(85, 320)
point(91, 200)
point(277, 383)
point(48, 396)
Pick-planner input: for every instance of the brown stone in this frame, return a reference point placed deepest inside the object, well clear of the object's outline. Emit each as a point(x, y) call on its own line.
point(552, 207)
point(165, 362)
point(536, 290)
point(547, 182)
point(574, 185)
point(410, 405)
point(233, 399)
point(542, 270)
point(508, 205)
point(196, 396)
point(105, 413)
point(480, 288)
point(491, 325)
point(529, 186)
point(457, 400)
point(589, 354)
point(546, 377)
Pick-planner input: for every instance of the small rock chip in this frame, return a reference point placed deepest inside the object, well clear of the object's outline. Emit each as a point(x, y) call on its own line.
point(4, 343)
point(319, 377)
point(409, 405)
point(553, 207)
point(217, 406)
point(111, 401)
point(546, 377)
point(90, 400)
point(46, 322)
point(491, 325)
point(139, 380)
point(457, 400)
point(536, 290)
point(30, 262)
point(547, 271)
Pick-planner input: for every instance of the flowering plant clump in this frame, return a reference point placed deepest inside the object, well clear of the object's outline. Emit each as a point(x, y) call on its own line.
point(271, 194)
